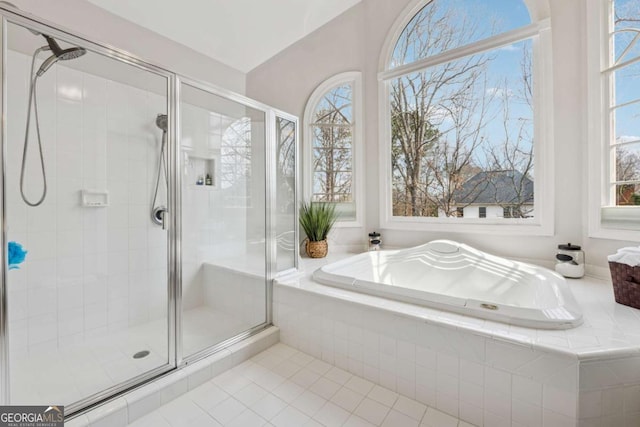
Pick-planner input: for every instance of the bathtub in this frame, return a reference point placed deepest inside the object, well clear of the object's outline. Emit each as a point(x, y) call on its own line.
point(452, 276)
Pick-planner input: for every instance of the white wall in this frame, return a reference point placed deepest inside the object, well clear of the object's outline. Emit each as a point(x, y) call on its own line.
point(354, 41)
point(89, 271)
point(97, 24)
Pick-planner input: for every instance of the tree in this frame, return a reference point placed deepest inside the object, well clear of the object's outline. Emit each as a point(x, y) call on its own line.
point(332, 147)
point(627, 169)
point(435, 118)
point(515, 153)
point(626, 13)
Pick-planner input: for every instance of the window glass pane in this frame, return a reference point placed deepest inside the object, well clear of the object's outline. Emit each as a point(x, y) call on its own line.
point(627, 194)
point(626, 27)
point(627, 169)
point(332, 163)
point(445, 25)
point(333, 137)
point(627, 162)
point(335, 106)
point(627, 123)
point(462, 133)
point(627, 84)
point(332, 187)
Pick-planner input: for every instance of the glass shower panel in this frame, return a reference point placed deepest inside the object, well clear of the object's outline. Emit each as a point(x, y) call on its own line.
point(88, 304)
point(285, 216)
point(223, 218)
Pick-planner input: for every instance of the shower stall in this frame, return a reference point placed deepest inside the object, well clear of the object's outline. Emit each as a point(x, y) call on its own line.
point(144, 215)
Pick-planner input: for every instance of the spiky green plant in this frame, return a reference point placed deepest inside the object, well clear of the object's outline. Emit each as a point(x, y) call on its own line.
point(317, 219)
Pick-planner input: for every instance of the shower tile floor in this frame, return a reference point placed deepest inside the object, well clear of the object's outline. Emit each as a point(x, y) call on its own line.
point(79, 370)
point(283, 387)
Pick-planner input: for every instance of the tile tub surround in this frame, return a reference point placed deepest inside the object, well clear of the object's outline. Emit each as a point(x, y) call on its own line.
point(237, 290)
point(283, 387)
point(483, 372)
point(138, 403)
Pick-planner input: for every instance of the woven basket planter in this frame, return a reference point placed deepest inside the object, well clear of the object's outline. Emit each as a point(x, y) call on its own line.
point(626, 284)
point(317, 249)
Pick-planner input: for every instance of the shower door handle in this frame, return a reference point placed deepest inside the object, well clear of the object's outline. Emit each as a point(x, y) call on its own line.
point(165, 219)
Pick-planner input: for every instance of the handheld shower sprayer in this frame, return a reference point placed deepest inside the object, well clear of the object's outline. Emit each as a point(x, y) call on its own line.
point(158, 210)
point(59, 54)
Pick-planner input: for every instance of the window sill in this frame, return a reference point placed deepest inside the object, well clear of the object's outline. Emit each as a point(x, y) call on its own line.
point(348, 224)
point(511, 227)
point(617, 223)
point(610, 233)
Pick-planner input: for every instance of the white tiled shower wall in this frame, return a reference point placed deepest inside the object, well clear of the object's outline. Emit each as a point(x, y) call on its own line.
point(211, 228)
point(480, 380)
point(88, 270)
point(223, 262)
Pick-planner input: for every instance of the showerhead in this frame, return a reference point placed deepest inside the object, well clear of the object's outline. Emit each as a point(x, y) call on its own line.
point(59, 54)
point(161, 122)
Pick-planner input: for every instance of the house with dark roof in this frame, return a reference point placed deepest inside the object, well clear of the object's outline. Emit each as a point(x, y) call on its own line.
point(494, 194)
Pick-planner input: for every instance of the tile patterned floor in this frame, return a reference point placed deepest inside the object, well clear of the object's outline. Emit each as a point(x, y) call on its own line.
point(283, 387)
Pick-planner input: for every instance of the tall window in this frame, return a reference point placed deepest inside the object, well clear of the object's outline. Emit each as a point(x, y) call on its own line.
point(623, 76)
point(461, 103)
point(618, 72)
point(332, 132)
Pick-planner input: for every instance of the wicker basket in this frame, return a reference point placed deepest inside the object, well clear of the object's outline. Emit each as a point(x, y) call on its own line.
point(317, 249)
point(626, 284)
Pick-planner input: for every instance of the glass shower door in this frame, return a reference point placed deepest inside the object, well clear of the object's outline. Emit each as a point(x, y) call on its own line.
point(222, 145)
point(88, 304)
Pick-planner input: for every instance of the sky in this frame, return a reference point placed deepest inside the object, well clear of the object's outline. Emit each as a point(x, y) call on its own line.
point(628, 78)
point(511, 14)
point(504, 72)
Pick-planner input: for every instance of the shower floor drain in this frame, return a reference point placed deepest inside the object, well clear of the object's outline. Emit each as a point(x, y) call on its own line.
point(141, 354)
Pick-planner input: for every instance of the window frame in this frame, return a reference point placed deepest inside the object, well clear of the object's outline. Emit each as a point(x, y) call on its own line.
point(605, 221)
point(539, 31)
point(354, 78)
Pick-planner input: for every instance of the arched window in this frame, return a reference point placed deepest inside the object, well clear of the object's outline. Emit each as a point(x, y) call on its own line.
point(332, 146)
point(466, 137)
point(614, 119)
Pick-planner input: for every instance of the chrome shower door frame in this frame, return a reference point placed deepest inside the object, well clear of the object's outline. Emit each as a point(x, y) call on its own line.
point(270, 270)
point(13, 16)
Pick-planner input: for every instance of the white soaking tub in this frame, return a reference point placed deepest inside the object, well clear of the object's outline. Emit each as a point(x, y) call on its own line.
point(453, 276)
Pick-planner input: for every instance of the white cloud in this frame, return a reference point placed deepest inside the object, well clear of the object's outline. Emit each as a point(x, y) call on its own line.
point(439, 114)
point(499, 92)
point(510, 48)
point(627, 138)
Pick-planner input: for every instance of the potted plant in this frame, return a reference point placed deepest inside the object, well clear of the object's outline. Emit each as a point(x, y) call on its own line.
point(316, 220)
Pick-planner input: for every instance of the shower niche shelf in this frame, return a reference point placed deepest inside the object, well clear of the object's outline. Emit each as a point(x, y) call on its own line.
point(201, 167)
point(95, 198)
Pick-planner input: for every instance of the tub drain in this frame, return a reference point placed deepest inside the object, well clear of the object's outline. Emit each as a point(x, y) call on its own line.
point(141, 354)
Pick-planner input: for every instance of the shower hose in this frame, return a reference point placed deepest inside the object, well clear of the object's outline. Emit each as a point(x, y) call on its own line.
point(33, 81)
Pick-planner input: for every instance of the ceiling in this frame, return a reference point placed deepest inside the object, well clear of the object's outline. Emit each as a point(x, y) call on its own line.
point(239, 33)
